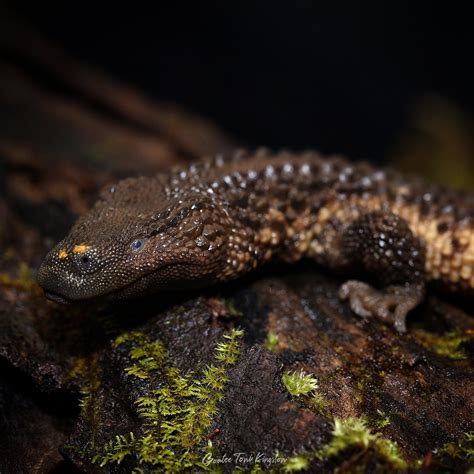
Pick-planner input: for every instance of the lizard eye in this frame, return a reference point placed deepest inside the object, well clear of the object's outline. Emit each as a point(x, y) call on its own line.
point(137, 245)
point(86, 263)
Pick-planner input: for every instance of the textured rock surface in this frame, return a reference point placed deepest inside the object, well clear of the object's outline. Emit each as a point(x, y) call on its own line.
point(75, 377)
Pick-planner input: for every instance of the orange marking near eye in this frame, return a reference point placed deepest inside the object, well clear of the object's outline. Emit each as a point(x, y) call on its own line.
point(62, 254)
point(81, 248)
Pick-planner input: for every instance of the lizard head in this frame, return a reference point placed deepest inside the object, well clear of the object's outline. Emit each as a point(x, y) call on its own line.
point(139, 237)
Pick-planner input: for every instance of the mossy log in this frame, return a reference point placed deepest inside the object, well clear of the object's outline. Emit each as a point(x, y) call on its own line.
point(268, 372)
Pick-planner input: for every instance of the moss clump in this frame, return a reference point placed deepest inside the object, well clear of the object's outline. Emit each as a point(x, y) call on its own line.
point(271, 341)
point(303, 386)
point(355, 432)
point(176, 416)
point(318, 403)
point(87, 370)
point(381, 420)
point(148, 356)
point(351, 434)
point(297, 463)
point(299, 383)
point(446, 345)
point(462, 449)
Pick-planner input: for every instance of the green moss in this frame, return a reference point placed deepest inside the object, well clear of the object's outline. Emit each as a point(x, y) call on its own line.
point(446, 345)
point(462, 449)
point(381, 420)
point(296, 463)
point(117, 450)
point(304, 387)
point(228, 350)
point(271, 341)
point(148, 357)
point(299, 383)
point(176, 416)
point(354, 432)
point(318, 403)
point(351, 433)
point(87, 370)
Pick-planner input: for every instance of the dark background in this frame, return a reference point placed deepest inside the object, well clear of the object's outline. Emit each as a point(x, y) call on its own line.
point(334, 76)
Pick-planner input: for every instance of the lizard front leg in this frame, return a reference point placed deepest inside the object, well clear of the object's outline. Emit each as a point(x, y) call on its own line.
point(383, 246)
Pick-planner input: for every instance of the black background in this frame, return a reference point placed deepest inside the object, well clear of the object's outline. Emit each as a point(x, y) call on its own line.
point(340, 77)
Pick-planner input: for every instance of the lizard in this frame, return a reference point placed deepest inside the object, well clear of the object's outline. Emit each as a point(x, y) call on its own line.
point(219, 218)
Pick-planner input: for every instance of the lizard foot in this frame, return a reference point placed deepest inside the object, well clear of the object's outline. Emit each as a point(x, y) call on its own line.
point(390, 305)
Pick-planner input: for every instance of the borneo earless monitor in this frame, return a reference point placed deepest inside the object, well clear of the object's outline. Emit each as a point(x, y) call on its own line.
point(221, 218)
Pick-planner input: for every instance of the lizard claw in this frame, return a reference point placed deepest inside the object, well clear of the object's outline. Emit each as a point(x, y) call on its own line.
point(390, 305)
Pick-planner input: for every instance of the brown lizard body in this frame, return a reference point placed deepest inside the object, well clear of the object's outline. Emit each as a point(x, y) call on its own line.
point(222, 217)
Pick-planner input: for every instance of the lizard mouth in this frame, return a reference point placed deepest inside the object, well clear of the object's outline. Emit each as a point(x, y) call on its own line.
point(55, 291)
point(114, 294)
point(56, 298)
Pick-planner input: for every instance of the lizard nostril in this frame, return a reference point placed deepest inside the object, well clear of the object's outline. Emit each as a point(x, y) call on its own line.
point(85, 259)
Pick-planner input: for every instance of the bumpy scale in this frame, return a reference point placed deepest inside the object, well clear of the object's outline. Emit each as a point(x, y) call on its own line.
point(223, 217)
